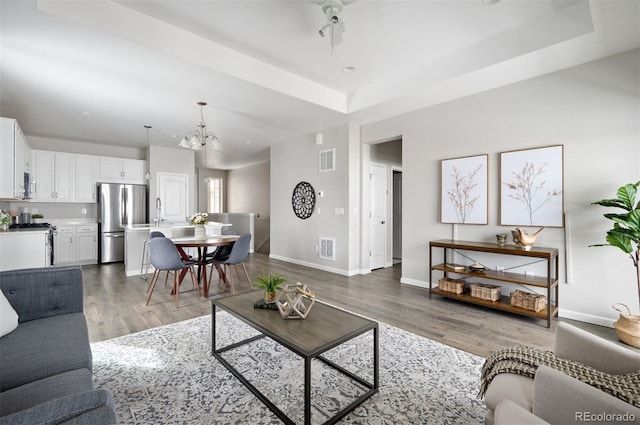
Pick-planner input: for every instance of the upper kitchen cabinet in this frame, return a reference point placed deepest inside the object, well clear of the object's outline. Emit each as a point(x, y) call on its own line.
point(54, 176)
point(86, 172)
point(120, 170)
point(15, 161)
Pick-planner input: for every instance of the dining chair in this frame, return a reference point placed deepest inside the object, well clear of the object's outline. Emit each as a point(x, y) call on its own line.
point(237, 255)
point(144, 264)
point(221, 252)
point(165, 257)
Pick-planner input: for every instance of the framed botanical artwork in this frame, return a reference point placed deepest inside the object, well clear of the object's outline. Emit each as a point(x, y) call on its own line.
point(532, 187)
point(464, 190)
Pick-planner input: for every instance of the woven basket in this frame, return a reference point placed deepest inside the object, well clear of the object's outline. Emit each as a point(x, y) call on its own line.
point(486, 291)
point(452, 285)
point(627, 326)
point(528, 300)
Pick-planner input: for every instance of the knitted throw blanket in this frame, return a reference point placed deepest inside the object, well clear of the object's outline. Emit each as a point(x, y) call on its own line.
point(523, 360)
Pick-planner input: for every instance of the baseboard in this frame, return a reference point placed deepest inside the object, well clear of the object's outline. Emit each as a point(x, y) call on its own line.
point(315, 266)
point(414, 282)
point(587, 318)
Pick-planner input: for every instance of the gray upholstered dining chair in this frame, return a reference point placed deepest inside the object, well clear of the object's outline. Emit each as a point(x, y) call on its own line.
point(165, 257)
point(237, 255)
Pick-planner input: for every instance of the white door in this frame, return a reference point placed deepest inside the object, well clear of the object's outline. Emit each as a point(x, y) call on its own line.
point(172, 191)
point(378, 177)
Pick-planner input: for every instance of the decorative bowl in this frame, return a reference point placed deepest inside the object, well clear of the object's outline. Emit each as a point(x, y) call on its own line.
point(476, 267)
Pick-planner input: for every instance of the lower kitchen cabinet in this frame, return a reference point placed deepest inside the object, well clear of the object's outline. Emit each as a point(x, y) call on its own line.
point(76, 244)
point(20, 250)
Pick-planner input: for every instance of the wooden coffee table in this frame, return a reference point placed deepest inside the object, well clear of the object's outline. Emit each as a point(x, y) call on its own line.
point(324, 328)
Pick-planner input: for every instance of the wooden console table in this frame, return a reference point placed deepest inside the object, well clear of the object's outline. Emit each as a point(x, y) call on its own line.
point(549, 282)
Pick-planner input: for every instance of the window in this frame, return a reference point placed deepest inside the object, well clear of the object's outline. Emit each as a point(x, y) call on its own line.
point(214, 195)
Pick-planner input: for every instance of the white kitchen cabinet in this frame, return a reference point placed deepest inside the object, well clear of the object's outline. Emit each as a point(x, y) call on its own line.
point(121, 170)
point(86, 244)
point(21, 250)
point(63, 248)
point(76, 244)
point(54, 176)
point(14, 161)
point(85, 181)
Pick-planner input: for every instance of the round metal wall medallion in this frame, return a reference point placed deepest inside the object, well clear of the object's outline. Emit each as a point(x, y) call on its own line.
point(303, 200)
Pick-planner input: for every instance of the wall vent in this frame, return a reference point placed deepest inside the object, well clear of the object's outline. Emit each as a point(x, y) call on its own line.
point(327, 248)
point(327, 160)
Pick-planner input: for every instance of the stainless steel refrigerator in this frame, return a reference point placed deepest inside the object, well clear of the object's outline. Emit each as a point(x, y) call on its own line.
point(118, 205)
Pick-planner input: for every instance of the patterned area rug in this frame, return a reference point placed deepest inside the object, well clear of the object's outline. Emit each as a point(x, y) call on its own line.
point(167, 375)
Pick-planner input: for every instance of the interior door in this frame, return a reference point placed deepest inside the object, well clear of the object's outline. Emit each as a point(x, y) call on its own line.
point(378, 177)
point(173, 190)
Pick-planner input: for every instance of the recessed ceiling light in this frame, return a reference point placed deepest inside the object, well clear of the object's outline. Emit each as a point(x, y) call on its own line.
point(85, 113)
point(348, 69)
point(173, 136)
point(79, 133)
point(248, 142)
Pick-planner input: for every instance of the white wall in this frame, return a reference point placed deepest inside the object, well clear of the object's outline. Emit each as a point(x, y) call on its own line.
point(296, 240)
point(592, 109)
point(248, 192)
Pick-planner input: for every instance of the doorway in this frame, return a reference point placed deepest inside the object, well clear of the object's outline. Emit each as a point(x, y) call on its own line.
point(397, 217)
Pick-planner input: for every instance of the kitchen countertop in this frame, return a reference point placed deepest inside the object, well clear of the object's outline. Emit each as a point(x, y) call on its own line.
point(149, 226)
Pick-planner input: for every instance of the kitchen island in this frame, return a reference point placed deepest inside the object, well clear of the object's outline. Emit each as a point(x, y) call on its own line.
point(135, 236)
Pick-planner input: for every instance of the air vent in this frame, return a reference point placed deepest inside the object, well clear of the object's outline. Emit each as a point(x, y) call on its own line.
point(327, 160)
point(327, 248)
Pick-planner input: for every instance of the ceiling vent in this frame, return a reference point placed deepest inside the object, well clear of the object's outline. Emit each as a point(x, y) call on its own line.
point(327, 160)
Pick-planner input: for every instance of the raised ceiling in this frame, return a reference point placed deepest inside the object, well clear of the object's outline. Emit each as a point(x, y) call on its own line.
point(267, 75)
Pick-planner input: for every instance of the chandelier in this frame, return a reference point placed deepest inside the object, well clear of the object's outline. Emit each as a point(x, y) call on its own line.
point(199, 138)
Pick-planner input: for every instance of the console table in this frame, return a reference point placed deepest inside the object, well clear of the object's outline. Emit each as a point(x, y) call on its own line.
point(549, 282)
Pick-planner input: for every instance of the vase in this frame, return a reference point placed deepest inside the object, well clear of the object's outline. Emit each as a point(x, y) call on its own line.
point(5, 226)
point(269, 297)
point(200, 232)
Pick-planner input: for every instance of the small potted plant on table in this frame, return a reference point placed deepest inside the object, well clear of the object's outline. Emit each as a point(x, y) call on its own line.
point(37, 218)
point(270, 283)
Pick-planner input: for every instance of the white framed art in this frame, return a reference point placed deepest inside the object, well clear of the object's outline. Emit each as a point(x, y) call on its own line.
point(464, 190)
point(532, 187)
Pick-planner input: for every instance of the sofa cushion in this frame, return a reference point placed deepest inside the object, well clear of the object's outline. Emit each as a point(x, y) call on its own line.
point(43, 390)
point(44, 347)
point(91, 407)
point(8, 316)
point(517, 388)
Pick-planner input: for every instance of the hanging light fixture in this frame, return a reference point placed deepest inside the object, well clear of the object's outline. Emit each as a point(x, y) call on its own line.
point(206, 179)
point(147, 175)
point(199, 138)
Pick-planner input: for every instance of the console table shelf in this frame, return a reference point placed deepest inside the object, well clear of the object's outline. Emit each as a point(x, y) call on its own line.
point(549, 282)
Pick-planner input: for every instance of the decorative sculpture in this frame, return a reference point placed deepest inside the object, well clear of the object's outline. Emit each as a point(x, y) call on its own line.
point(527, 240)
point(295, 301)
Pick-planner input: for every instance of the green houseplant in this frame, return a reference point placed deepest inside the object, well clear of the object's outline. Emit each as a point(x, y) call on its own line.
point(270, 283)
point(37, 217)
point(625, 235)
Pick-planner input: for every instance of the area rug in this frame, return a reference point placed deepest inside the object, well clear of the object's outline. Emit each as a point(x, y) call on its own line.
point(167, 375)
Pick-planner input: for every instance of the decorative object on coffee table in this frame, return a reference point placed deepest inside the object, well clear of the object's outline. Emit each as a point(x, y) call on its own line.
point(295, 301)
point(270, 283)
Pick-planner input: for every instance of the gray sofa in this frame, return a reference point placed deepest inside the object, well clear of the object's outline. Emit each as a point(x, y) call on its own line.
point(555, 398)
point(46, 363)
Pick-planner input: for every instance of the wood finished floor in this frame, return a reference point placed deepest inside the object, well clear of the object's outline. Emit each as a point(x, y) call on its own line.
point(115, 306)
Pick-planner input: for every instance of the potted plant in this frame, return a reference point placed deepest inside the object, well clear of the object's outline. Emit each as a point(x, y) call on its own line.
point(625, 235)
point(270, 283)
point(37, 218)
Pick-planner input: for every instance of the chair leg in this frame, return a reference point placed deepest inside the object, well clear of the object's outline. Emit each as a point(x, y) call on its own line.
point(230, 279)
point(195, 281)
point(235, 266)
point(152, 284)
point(247, 275)
point(176, 289)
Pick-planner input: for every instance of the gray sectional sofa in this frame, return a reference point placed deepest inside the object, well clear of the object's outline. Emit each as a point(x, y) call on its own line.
point(46, 363)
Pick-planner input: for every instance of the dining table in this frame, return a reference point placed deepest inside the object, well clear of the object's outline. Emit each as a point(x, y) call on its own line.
point(202, 245)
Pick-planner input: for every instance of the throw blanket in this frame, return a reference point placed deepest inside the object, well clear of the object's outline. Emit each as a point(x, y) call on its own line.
point(523, 360)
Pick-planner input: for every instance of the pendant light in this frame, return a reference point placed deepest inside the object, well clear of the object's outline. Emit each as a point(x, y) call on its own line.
point(147, 174)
